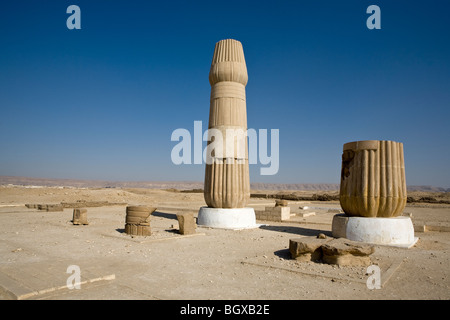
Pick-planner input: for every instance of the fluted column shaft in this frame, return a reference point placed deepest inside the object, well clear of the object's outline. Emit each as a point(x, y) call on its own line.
point(227, 183)
point(373, 180)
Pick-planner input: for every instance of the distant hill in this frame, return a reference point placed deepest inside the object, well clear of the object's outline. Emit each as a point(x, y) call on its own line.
point(296, 186)
point(25, 181)
point(428, 189)
point(181, 185)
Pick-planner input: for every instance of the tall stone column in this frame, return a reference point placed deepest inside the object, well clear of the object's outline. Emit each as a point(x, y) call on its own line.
point(227, 182)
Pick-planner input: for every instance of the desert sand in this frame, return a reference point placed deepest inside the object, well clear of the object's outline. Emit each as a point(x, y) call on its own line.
point(37, 247)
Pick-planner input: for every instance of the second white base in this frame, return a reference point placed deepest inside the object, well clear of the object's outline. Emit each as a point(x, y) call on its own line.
point(235, 218)
point(397, 231)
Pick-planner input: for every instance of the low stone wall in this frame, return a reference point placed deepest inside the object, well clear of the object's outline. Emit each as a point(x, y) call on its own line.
point(273, 214)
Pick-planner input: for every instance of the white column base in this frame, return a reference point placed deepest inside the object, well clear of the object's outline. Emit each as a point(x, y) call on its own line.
point(235, 218)
point(397, 231)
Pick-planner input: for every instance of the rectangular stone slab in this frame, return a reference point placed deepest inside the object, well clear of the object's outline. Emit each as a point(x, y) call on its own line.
point(342, 246)
point(80, 216)
point(345, 252)
point(186, 222)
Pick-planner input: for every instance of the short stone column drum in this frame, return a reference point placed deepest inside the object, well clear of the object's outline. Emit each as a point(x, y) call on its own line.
point(137, 220)
point(373, 179)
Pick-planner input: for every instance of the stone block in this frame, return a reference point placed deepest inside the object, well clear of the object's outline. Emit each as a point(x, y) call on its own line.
point(285, 213)
point(345, 252)
point(186, 222)
point(339, 251)
point(80, 216)
point(307, 248)
point(278, 214)
point(281, 213)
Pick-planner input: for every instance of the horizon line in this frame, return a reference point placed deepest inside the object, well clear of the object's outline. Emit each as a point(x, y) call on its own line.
point(185, 181)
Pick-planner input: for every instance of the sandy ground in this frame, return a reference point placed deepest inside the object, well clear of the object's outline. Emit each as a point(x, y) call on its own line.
point(37, 247)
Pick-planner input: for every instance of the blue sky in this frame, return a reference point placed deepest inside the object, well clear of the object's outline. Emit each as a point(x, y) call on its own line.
point(102, 102)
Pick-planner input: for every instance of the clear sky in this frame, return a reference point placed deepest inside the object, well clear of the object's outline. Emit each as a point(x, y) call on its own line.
point(102, 102)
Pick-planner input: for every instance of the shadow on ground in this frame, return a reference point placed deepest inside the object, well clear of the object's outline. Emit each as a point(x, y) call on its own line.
point(165, 215)
point(283, 254)
point(296, 230)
